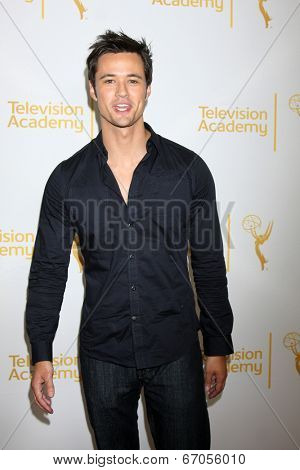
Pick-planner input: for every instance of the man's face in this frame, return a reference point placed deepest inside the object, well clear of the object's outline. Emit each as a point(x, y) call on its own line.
point(120, 87)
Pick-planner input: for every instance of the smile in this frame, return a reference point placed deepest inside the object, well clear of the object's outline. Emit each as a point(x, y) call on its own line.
point(122, 108)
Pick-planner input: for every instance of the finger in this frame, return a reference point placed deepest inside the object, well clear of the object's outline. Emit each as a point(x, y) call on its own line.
point(41, 401)
point(40, 406)
point(216, 388)
point(212, 385)
point(39, 398)
point(47, 399)
point(50, 390)
point(208, 381)
point(213, 394)
point(43, 405)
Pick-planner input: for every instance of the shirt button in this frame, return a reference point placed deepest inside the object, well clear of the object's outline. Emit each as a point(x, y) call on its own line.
point(133, 287)
point(130, 224)
point(133, 317)
point(131, 256)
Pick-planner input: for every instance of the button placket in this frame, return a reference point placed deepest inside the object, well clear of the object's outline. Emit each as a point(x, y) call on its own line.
point(135, 318)
point(136, 325)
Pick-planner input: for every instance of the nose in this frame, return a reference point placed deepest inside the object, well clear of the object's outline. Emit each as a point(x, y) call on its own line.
point(121, 89)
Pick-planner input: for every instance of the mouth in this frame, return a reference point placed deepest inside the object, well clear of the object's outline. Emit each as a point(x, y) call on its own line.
point(122, 108)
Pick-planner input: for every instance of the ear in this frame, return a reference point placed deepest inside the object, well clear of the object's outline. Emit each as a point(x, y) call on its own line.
point(148, 93)
point(92, 92)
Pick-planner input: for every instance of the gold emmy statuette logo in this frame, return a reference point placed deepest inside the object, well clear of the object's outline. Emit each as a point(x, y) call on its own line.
point(294, 104)
point(250, 224)
point(264, 12)
point(79, 5)
point(81, 8)
point(77, 253)
point(291, 341)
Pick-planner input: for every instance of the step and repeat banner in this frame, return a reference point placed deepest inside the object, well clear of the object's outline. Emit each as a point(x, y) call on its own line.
point(226, 85)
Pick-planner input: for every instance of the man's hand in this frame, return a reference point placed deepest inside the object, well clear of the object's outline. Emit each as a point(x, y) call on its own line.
point(215, 375)
point(43, 376)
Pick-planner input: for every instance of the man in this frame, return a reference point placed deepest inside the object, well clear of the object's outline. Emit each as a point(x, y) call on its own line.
point(135, 200)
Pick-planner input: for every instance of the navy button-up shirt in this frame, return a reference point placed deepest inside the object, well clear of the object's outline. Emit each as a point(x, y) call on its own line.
point(139, 304)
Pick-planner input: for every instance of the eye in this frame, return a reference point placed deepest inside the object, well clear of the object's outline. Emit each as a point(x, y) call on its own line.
point(135, 81)
point(108, 81)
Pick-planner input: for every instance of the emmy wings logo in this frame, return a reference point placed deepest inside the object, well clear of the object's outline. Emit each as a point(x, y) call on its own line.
point(264, 12)
point(294, 104)
point(77, 5)
point(251, 223)
point(291, 341)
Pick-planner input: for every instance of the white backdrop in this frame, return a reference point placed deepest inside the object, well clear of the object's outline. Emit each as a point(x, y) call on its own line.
point(226, 85)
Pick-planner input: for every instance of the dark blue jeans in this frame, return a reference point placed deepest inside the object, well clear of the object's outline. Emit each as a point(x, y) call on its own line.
point(174, 395)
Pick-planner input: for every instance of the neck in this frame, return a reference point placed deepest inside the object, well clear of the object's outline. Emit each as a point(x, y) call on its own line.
point(126, 145)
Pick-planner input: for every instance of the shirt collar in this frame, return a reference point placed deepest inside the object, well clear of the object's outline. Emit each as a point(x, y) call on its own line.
point(153, 140)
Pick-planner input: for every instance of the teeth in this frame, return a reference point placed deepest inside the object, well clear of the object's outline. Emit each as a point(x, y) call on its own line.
point(122, 108)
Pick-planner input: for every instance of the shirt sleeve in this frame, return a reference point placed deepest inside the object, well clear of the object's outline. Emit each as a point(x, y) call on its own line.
point(208, 264)
point(49, 268)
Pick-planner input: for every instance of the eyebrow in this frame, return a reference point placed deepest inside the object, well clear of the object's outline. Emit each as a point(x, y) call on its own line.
point(128, 75)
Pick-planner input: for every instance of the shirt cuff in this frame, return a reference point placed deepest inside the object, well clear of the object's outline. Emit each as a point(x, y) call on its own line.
point(218, 345)
point(41, 351)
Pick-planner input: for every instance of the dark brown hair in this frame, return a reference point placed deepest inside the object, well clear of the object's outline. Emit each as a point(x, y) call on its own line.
point(114, 42)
